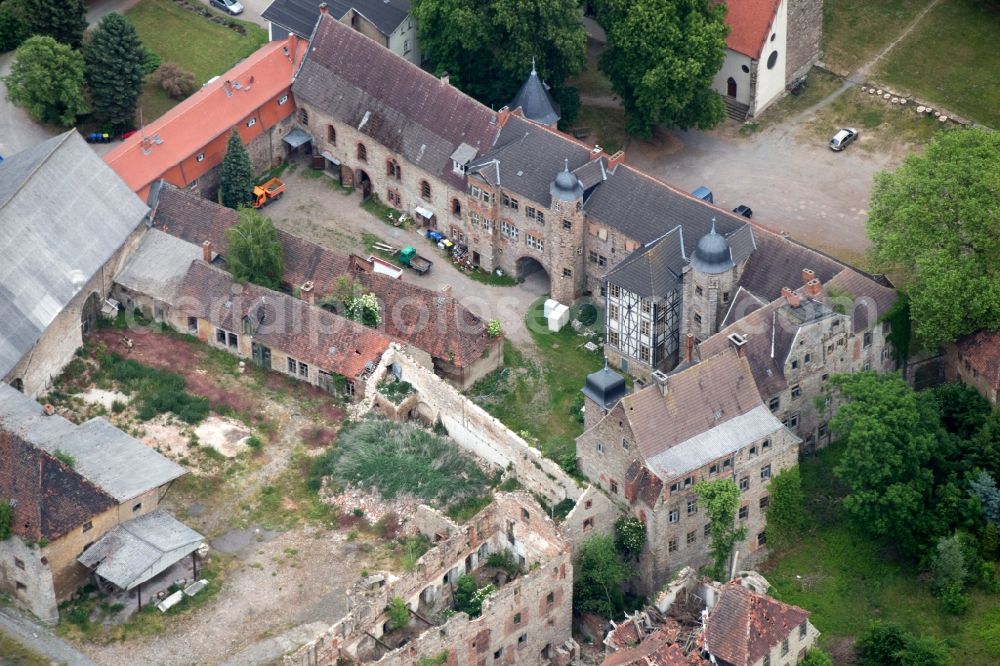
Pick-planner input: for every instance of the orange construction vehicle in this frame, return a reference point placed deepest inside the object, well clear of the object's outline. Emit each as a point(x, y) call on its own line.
point(265, 193)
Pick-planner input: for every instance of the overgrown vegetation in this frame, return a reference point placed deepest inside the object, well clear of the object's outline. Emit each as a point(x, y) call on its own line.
point(6, 516)
point(398, 614)
point(400, 458)
point(630, 535)
point(157, 391)
point(469, 596)
point(721, 501)
point(599, 577)
point(396, 390)
point(786, 516)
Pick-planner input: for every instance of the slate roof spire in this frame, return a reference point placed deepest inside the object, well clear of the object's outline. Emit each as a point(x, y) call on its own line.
point(535, 100)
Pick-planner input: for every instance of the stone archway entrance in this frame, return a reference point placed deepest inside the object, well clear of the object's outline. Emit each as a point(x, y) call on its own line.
point(91, 311)
point(731, 87)
point(534, 275)
point(365, 183)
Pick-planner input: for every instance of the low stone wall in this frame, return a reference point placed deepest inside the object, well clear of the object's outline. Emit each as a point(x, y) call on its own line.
point(906, 102)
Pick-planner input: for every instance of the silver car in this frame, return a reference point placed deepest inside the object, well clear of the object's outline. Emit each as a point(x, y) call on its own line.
point(229, 6)
point(842, 138)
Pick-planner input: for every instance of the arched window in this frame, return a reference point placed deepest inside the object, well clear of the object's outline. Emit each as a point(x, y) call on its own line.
point(362, 152)
point(425, 190)
point(772, 59)
point(456, 208)
point(331, 135)
point(392, 169)
point(304, 116)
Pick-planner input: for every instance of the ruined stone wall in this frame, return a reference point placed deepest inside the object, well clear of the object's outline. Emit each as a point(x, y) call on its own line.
point(26, 577)
point(594, 515)
point(805, 35)
point(60, 340)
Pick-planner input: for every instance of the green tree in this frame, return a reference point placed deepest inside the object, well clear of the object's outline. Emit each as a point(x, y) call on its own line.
point(599, 574)
point(13, 28)
point(254, 251)
point(816, 657)
point(46, 79)
point(236, 187)
point(889, 434)
point(786, 517)
point(721, 501)
point(630, 535)
point(661, 58)
point(984, 488)
point(63, 20)
point(398, 613)
point(487, 48)
point(469, 597)
point(6, 518)
point(115, 68)
point(889, 645)
point(950, 573)
point(936, 218)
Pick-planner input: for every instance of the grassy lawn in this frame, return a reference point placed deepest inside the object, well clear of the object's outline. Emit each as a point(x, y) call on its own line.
point(855, 30)
point(190, 40)
point(607, 127)
point(952, 59)
point(881, 124)
point(13, 653)
point(541, 398)
point(847, 582)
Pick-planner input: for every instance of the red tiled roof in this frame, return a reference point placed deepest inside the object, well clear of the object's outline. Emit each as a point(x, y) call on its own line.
point(220, 105)
point(743, 625)
point(306, 332)
point(749, 24)
point(982, 351)
point(51, 498)
point(657, 650)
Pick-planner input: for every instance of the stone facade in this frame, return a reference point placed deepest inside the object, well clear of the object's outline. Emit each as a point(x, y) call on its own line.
point(706, 300)
point(527, 621)
point(805, 37)
point(60, 340)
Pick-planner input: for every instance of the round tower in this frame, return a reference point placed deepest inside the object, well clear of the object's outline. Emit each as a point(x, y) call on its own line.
point(709, 283)
point(566, 236)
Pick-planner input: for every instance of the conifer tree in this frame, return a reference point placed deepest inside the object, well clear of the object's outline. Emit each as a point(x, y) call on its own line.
point(63, 20)
point(114, 60)
point(237, 174)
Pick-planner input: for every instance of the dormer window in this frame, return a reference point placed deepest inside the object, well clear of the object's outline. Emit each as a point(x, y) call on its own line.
point(457, 167)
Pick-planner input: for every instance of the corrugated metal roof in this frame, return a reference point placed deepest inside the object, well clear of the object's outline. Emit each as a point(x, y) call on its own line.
point(118, 464)
point(725, 438)
point(63, 213)
point(158, 265)
point(137, 550)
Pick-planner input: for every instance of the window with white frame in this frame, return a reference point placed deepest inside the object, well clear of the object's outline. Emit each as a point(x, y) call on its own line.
point(534, 243)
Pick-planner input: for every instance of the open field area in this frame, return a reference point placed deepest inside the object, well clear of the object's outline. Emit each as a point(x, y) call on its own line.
point(848, 581)
point(952, 59)
point(854, 31)
point(190, 40)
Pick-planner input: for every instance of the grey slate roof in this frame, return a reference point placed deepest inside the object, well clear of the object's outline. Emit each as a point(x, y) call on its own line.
point(118, 464)
point(137, 550)
point(63, 214)
point(778, 262)
point(605, 387)
point(535, 100)
point(158, 265)
point(300, 16)
point(653, 270)
point(410, 112)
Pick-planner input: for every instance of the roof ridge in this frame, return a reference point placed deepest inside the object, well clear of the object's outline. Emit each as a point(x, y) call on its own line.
point(31, 174)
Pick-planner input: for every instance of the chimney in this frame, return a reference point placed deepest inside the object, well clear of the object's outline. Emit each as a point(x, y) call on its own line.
point(445, 79)
point(689, 351)
point(596, 152)
point(48, 409)
point(791, 297)
point(808, 274)
point(615, 160)
point(739, 342)
point(814, 287)
point(324, 8)
point(206, 251)
point(660, 378)
point(308, 295)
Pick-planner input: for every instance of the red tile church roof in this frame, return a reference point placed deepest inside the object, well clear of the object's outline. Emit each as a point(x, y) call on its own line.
point(749, 24)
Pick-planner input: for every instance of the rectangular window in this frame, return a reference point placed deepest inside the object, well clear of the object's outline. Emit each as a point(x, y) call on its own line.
point(765, 472)
point(613, 338)
point(744, 512)
point(765, 446)
point(87, 526)
point(18, 563)
point(796, 391)
point(614, 486)
point(708, 530)
point(523, 638)
point(550, 598)
point(534, 243)
point(592, 257)
point(795, 364)
point(517, 618)
point(644, 354)
point(529, 211)
point(764, 501)
point(761, 538)
point(784, 647)
point(745, 484)
point(803, 628)
point(673, 516)
point(234, 340)
point(509, 230)
point(303, 369)
point(688, 482)
point(541, 217)
point(625, 444)
point(193, 324)
point(691, 537)
point(807, 359)
point(767, 660)
point(672, 546)
point(698, 291)
point(714, 469)
point(567, 225)
point(753, 452)
point(868, 338)
point(613, 311)
point(774, 403)
point(697, 318)
point(293, 365)
point(646, 306)
point(602, 260)
point(614, 290)
point(567, 273)
point(21, 587)
point(136, 508)
point(220, 336)
point(474, 191)
point(674, 487)
point(692, 505)
point(644, 327)
point(727, 463)
point(600, 447)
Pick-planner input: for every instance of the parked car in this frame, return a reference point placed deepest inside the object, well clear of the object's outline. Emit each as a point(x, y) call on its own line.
point(745, 211)
point(704, 194)
point(229, 6)
point(842, 138)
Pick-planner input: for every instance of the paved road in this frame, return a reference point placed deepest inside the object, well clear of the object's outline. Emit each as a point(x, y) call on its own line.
point(39, 639)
